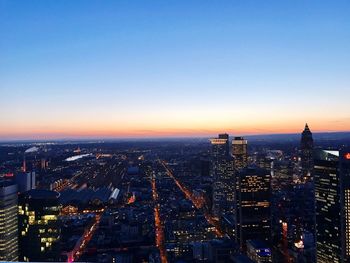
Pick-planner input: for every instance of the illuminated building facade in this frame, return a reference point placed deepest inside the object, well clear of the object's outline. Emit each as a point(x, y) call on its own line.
point(253, 205)
point(39, 230)
point(345, 200)
point(240, 152)
point(258, 251)
point(8, 222)
point(332, 194)
point(219, 148)
point(306, 148)
point(223, 175)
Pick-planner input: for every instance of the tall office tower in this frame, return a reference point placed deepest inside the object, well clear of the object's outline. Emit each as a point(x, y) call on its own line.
point(223, 189)
point(240, 152)
point(223, 176)
point(8, 221)
point(224, 136)
point(306, 148)
point(25, 181)
point(332, 194)
point(253, 205)
point(220, 147)
point(39, 230)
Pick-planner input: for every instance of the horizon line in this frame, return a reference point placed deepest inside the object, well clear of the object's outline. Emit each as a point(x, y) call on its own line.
point(136, 138)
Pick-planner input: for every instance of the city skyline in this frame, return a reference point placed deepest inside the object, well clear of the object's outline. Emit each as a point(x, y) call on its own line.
point(175, 131)
point(84, 69)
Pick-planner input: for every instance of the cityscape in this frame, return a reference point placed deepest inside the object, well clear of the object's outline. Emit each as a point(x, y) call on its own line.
point(221, 199)
point(174, 131)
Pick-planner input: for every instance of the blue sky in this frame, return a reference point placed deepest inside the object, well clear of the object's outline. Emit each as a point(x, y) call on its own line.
point(113, 68)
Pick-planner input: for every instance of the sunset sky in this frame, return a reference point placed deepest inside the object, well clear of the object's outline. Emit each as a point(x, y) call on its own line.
point(97, 69)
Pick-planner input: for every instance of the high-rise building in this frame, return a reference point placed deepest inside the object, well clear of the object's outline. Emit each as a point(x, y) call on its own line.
point(39, 230)
point(225, 136)
point(25, 181)
point(223, 176)
point(306, 149)
point(219, 147)
point(332, 194)
point(8, 221)
point(253, 205)
point(240, 152)
point(223, 188)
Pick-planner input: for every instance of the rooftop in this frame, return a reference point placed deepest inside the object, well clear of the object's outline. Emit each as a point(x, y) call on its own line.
point(42, 194)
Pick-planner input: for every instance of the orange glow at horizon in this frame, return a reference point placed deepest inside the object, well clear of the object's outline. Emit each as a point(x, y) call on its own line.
point(132, 131)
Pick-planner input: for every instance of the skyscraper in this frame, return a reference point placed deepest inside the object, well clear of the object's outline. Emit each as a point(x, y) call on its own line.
point(332, 194)
point(39, 230)
point(253, 205)
point(223, 176)
point(219, 148)
point(240, 152)
point(8, 221)
point(306, 148)
point(345, 201)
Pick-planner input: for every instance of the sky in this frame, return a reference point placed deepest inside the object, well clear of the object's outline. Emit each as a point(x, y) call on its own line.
point(111, 69)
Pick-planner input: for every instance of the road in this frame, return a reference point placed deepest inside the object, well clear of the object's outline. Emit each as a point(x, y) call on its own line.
point(160, 238)
point(198, 203)
point(84, 241)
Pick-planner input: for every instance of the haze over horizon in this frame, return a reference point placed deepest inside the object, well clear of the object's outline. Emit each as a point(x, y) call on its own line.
point(90, 69)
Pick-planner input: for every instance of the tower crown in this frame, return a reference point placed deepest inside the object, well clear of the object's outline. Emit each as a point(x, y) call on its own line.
point(306, 130)
point(306, 127)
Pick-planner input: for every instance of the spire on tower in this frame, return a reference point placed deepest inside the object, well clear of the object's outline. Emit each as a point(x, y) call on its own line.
point(306, 127)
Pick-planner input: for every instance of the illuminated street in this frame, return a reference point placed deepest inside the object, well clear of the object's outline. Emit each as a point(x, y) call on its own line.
point(198, 203)
point(158, 225)
point(84, 241)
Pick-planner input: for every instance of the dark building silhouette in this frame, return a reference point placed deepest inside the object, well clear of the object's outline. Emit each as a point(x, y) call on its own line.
point(205, 167)
point(253, 205)
point(240, 152)
point(8, 221)
point(39, 229)
point(306, 148)
point(25, 181)
point(332, 194)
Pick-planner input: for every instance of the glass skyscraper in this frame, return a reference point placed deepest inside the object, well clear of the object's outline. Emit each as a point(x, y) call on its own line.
point(223, 176)
point(332, 194)
point(8, 221)
point(240, 152)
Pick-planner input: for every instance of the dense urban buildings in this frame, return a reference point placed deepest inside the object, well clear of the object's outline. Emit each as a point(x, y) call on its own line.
point(8, 221)
point(174, 131)
point(258, 251)
point(175, 201)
